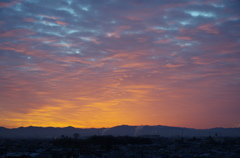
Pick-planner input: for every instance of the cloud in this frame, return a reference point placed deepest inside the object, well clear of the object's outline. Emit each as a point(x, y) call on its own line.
point(7, 4)
point(208, 28)
point(48, 17)
point(200, 14)
point(61, 23)
point(163, 41)
point(29, 19)
point(17, 33)
point(117, 32)
point(91, 64)
point(173, 66)
point(183, 38)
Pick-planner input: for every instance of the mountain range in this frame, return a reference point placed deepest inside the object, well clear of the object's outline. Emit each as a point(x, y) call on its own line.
point(123, 130)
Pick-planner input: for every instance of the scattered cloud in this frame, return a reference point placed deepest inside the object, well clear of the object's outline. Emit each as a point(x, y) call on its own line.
point(95, 64)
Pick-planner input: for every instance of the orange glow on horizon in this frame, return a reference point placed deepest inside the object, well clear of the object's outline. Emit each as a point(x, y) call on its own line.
point(91, 65)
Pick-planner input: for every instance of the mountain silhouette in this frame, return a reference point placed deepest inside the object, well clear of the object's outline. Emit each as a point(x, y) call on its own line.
point(123, 130)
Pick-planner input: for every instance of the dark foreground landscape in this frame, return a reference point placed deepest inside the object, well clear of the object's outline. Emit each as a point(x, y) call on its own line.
point(119, 142)
point(122, 147)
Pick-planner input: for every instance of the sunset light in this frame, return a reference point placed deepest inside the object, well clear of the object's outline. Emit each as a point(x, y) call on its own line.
point(103, 63)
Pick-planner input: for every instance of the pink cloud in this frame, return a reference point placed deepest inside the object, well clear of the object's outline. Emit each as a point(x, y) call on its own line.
point(118, 31)
point(173, 65)
point(42, 39)
point(182, 30)
point(49, 17)
point(133, 18)
point(29, 19)
point(208, 28)
point(63, 45)
point(95, 41)
point(184, 38)
point(154, 30)
point(224, 46)
point(61, 23)
point(208, 59)
point(163, 41)
point(17, 33)
point(139, 15)
point(4, 4)
point(22, 48)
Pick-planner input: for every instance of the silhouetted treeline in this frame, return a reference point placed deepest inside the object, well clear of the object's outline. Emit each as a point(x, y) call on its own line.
point(100, 140)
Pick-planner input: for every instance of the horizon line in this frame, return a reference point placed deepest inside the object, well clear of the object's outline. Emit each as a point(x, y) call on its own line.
point(112, 127)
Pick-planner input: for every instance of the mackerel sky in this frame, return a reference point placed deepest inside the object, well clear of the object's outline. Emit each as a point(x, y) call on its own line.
point(102, 63)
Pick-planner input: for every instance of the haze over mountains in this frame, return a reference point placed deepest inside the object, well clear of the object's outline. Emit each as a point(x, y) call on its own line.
point(123, 130)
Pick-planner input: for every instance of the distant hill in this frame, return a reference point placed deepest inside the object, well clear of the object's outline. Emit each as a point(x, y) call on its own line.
point(165, 131)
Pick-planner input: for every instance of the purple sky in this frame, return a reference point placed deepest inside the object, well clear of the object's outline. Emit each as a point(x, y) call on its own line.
point(101, 63)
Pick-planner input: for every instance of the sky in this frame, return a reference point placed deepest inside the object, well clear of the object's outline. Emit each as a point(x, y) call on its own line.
point(103, 63)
